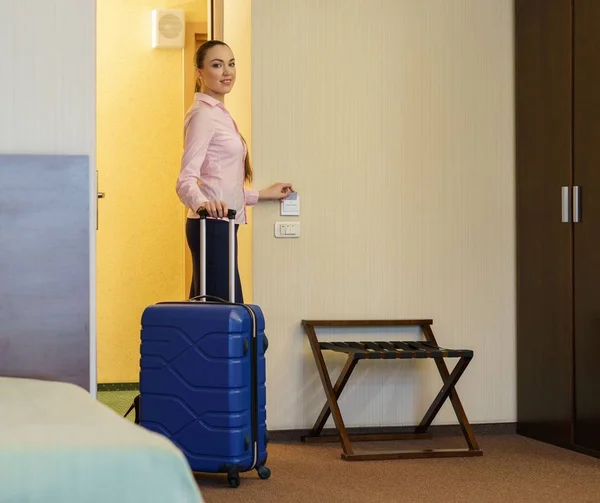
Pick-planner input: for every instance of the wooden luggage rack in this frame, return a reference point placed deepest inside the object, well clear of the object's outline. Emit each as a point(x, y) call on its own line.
point(399, 350)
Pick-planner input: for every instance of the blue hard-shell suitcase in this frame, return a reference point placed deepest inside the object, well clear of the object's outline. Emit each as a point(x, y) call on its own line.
point(203, 378)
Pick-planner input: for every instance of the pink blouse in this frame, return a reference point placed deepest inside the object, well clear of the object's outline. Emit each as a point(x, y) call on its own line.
point(212, 165)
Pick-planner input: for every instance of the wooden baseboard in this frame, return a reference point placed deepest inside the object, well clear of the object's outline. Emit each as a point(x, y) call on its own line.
point(439, 431)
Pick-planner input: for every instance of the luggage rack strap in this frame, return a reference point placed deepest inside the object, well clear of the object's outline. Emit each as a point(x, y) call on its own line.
point(394, 349)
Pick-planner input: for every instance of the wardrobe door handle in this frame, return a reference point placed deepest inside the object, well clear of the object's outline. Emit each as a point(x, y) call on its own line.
point(576, 204)
point(565, 204)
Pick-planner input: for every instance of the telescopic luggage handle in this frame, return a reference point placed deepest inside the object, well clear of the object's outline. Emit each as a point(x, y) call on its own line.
point(231, 216)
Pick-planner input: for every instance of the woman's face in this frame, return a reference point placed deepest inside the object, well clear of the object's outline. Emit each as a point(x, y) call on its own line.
point(218, 74)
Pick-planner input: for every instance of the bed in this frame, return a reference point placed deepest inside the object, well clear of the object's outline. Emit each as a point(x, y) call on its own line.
point(59, 445)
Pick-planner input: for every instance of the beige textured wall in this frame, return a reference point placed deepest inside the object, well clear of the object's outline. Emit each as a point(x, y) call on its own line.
point(394, 119)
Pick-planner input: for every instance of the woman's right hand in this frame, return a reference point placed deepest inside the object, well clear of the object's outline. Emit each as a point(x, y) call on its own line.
point(216, 209)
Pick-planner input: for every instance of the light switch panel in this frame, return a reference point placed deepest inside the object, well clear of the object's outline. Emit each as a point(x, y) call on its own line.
point(287, 229)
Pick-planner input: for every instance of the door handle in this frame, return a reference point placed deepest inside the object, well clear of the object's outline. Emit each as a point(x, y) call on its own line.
point(99, 195)
point(576, 204)
point(565, 204)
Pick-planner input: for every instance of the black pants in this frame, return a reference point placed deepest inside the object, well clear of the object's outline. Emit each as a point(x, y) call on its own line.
point(217, 258)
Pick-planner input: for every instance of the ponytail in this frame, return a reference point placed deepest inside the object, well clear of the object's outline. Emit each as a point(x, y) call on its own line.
point(247, 165)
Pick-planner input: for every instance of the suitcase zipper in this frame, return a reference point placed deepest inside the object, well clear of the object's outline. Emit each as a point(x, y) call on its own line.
point(254, 399)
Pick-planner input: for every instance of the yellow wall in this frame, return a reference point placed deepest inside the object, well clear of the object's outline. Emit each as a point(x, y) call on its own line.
point(139, 126)
point(237, 34)
point(196, 11)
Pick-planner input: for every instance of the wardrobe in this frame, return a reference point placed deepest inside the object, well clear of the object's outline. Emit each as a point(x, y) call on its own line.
point(557, 85)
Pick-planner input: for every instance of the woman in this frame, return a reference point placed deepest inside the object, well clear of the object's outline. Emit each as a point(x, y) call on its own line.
point(214, 167)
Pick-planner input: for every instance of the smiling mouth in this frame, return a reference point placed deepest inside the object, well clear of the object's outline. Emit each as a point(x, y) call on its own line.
point(226, 82)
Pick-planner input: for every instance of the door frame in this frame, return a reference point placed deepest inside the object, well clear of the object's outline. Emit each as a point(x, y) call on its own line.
point(215, 16)
point(194, 33)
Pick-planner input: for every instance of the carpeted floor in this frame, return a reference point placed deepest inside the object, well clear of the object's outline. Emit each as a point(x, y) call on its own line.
point(513, 470)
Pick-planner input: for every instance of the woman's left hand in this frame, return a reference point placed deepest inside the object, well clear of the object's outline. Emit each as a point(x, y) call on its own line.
point(276, 191)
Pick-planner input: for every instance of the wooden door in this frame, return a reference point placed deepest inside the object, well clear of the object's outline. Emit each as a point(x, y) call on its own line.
point(544, 158)
point(587, 231)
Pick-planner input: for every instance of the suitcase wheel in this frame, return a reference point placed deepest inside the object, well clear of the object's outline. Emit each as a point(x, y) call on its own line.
point(234, 479)
point(263, 472)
